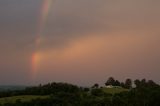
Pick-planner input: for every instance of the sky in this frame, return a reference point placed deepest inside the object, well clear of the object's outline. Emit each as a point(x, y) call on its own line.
point(78, 41)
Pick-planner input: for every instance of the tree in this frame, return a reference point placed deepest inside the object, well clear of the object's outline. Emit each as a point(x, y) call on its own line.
point(122, 84)
point(97, 92)
point(143, 83)
point(117, 83)
point(137, 82)
point(151, 83)
point(128, 83)
point(110, 81)
point(95, 85)
point(86, 89)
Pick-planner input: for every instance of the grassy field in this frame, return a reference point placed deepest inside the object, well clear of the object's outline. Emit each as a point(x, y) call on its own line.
point(114, 90)
point(24, 98)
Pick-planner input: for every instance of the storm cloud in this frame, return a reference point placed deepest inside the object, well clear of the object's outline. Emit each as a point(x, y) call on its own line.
point(83, 41)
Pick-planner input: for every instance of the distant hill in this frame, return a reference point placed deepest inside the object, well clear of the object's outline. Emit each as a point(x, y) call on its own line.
point(11, 87)
point(146, 93)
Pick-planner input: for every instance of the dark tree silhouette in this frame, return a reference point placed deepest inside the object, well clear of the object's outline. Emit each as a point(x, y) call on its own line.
point(110, 81)
point(95, 85)
point(117, 83)
point(122, 84)
point(128, 83)
point(151, 83)
point(137, 82)
point(143, 83)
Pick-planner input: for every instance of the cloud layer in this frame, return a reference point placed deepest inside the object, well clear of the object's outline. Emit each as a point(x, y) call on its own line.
point(83, 41)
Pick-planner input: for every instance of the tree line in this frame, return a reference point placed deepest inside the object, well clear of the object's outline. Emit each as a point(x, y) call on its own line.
point(144, 93)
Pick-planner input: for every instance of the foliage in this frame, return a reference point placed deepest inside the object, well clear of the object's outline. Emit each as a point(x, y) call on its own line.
point(146, 93)
point(128, 83)
point(23, 98)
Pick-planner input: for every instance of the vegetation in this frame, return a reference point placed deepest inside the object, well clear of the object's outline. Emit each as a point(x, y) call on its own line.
point(145, 93)
point(24, 98)
point(114, 90)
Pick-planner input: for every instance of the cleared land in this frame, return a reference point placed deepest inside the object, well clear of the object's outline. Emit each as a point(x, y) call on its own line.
point(24, 98)
point(114, 90)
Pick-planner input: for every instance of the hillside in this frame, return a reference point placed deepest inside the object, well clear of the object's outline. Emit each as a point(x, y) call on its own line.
point(11, 87)
point(146, 93)
point(23, 98)
point(114, 90)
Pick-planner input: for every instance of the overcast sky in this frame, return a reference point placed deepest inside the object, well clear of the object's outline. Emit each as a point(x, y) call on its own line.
point(83, 41)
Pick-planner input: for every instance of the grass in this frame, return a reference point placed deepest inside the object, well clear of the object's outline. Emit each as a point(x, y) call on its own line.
point(27, 98)
point(114, 90)
point(24, 98)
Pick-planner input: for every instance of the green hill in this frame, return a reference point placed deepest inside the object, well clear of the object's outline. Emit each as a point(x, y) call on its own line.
point(114, 90)
point(24, 98)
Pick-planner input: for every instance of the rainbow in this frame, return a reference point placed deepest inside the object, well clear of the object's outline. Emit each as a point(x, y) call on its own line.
point(46, 4)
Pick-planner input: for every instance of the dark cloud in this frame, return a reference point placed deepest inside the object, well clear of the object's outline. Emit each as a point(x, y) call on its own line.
point(68, 22)
point(71, 19)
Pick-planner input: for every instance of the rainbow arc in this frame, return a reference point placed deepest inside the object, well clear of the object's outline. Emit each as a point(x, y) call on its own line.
point(46, 4)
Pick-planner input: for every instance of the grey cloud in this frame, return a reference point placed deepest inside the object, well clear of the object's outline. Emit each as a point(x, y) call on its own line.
point(70, 20)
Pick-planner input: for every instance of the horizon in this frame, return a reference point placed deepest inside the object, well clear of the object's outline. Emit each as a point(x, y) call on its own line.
point(79, 42)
